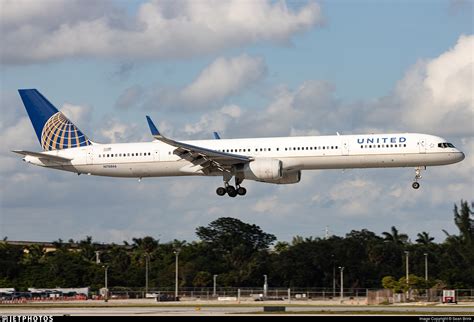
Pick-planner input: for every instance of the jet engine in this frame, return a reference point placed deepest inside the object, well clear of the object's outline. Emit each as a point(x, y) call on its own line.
point(288, 178)
point(263, 169)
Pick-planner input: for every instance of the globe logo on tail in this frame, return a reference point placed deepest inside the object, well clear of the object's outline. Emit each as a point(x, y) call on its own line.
point(59, 133)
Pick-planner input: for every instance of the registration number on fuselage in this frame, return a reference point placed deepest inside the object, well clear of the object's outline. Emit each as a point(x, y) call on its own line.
point(109, 166)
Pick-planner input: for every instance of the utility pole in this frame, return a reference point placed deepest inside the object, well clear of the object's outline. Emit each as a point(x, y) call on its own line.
point(97, 257)
point(176, 252)
point(146, 273)
point(214, 294)
point(333, 277)
point(265, 286)
point(342, 282)
point(426, 266)
point(407, 253)
point(106, 297)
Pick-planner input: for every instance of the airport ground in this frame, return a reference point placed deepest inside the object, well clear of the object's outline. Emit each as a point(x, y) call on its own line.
point(149, 307)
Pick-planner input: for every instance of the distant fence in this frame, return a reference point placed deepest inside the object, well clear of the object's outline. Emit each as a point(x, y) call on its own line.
point(349, 295)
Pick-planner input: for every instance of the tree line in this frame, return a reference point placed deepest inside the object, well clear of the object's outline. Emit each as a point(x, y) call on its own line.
point(241, 253)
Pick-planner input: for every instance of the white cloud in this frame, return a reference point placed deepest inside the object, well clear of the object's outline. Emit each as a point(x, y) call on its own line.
point(114, 131)
point(76, 113)
point(130, 97)
point(266, 205)
point(34, 32)
point(223, 78)
point(220, 80)
point(439, 93)
point(218, 121)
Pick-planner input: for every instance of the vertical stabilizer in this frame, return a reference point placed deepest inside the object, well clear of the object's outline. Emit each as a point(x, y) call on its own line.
point(54, 130)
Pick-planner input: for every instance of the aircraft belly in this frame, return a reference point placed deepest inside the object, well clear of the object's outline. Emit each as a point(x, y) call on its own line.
point(376, 161)
point(133, 170)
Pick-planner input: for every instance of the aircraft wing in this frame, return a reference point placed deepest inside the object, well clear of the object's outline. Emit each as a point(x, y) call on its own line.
point(44, 156)
point(203, 158)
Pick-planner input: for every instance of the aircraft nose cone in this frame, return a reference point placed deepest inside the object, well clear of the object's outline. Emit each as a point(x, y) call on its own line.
point(460, 156)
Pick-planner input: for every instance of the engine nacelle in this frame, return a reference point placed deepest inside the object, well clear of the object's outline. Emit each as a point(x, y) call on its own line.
point(288, 178)
point(263, 169)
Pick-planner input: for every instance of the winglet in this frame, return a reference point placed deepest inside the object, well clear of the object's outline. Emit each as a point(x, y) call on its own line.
point(216, 136)
point(153, 129)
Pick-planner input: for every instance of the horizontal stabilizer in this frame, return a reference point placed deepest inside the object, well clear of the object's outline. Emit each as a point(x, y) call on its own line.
point(45, 156)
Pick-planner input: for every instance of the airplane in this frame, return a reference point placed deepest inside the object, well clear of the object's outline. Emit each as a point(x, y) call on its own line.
point(277, 160)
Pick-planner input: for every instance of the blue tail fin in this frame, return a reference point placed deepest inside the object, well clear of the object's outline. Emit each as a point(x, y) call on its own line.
point(53, 129)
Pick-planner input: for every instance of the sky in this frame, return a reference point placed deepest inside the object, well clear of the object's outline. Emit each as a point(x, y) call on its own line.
point(245, 69)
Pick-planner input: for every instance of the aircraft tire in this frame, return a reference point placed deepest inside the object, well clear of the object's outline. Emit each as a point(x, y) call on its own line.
point(241, 191)
point(221, 191)
point(415, 185)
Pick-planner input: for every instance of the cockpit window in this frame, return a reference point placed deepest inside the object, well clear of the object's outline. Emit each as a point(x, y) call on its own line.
point(445, 145)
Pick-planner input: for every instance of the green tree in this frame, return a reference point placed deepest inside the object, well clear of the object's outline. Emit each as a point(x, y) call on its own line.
point(395, 237)
point(457, 256)
point(202, 279)
point(424, 238)
point(237, 245)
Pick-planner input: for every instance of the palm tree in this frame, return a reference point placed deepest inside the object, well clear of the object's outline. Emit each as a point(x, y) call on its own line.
point(465, 224)
point(463, 221)
point(424, 238)
point(395, 237)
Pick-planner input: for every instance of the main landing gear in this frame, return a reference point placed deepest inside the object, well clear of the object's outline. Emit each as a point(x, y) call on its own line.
point(231, 190)
point(415, 184)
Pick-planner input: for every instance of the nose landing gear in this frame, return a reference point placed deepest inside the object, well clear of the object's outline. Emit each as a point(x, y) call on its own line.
point(416, 184)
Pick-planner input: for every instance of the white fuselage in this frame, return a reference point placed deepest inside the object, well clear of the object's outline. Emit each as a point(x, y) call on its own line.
point(156, 159)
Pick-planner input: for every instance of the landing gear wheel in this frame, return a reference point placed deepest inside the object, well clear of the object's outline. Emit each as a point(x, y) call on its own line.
point(231, 191)
point(241, 191)
point(221, 191)
point(415, 185)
